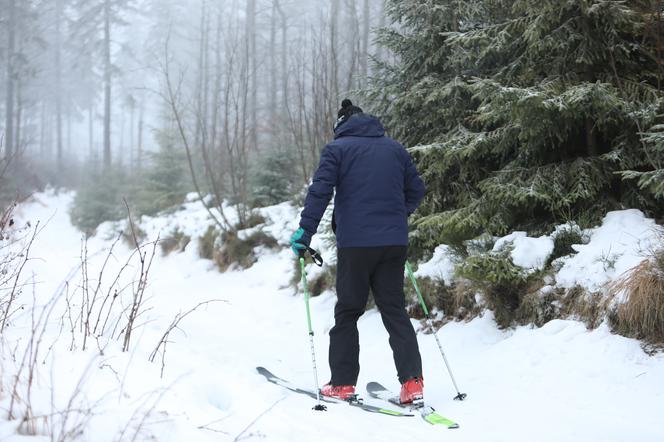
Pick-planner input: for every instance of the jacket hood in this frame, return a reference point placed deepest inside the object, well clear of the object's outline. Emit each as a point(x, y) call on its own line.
point(360, 125)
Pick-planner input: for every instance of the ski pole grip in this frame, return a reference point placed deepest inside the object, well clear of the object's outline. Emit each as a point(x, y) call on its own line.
point(318, 260)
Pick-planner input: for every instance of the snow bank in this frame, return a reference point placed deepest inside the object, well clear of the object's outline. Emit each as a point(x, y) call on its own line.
point(622, 241)
point(529, 253)
point(439, 267)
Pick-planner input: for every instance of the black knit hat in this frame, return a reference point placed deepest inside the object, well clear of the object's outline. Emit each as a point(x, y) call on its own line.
point(346, 111)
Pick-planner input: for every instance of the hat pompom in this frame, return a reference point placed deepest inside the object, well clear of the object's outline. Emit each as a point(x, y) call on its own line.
point(346, 103)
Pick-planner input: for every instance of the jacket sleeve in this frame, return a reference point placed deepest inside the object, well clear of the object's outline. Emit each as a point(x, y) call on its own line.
point(413, 186)
point(320, 190)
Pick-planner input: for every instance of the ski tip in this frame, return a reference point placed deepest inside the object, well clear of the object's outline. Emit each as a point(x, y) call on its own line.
point(436, 419)
point(264, 371)
point(375, 386)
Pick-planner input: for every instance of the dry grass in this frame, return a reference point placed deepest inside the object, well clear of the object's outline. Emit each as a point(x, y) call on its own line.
point(321, 281)
point(641, 314)
point(456, 302)
point(590, 308)
point(177, 240)
point(235, 250)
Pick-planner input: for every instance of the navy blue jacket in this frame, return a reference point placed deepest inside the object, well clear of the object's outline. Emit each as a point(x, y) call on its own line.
point(377, 186)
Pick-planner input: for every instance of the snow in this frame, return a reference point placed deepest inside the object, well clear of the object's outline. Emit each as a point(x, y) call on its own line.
point(529, 253)
point(559, 382)
point(440, 266)
point(619, 244)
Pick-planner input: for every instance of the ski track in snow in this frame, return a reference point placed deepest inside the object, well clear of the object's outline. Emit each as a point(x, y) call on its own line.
point(556, 383)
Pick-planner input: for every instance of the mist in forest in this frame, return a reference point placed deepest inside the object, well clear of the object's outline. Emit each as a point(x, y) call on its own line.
point(197, 95)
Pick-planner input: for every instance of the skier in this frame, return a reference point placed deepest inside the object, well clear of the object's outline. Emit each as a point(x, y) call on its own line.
point(377, 188)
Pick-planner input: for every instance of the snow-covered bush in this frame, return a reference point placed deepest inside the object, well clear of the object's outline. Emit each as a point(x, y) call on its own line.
point(564, 237)
point(502, 282)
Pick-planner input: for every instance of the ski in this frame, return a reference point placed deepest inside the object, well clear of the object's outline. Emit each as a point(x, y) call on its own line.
point(430, 415)
point(354, 402)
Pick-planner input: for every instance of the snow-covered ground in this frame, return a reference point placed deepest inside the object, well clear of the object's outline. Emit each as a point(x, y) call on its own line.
point(556, 383)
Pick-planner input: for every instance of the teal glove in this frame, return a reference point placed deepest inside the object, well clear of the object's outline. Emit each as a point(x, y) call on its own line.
point(300, 241)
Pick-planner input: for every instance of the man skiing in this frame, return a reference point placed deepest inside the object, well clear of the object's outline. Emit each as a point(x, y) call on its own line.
point(377, 188)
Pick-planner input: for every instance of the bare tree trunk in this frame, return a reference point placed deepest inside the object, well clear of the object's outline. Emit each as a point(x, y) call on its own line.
point(199, 87)
point(42, 131)
point(107, 84)
point(382, 23)
point(284, 55)
point(132, 127)
point(251, 65)
point(273, 63)
point(206, 80)
point(69, 144)
point(91, 129)
point(139, 146)
point(19, 114)
point(9, 107)
point(355, 47)
point(334, 25)
point(120, 147)
point(364, 54)
point(58, 82)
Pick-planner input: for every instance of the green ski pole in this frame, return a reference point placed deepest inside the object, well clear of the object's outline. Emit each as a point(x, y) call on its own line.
point(459, 396)
point(319, 406)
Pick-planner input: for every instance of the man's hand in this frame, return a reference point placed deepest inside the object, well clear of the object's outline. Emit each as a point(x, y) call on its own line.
point(300, 241)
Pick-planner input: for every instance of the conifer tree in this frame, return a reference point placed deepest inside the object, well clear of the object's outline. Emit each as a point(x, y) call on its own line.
point(526, 113)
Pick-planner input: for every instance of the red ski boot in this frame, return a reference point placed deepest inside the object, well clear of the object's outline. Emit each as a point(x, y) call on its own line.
point(343, 392)
point(412, 390)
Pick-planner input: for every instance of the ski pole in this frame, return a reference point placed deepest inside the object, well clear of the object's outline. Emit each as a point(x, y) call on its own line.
point(459, 396)
point(319, 406)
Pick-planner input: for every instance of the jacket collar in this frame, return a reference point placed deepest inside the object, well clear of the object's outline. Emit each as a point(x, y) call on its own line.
point(360, 125)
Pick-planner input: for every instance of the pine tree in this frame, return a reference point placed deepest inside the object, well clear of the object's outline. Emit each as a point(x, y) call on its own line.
point(164, 183)
point(527, 117)
point(274, 178)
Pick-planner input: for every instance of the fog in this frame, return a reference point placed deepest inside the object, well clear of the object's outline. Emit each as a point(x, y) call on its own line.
point(92, 85)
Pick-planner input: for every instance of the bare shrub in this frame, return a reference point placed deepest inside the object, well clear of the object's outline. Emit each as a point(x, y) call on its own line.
point(161, 346)
point(6, 219)
point(139, 291)
point(26, 373)
point(11, 267)
point(502, 283)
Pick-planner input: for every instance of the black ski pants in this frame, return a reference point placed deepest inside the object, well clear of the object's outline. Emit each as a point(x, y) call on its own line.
point(380, 269)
